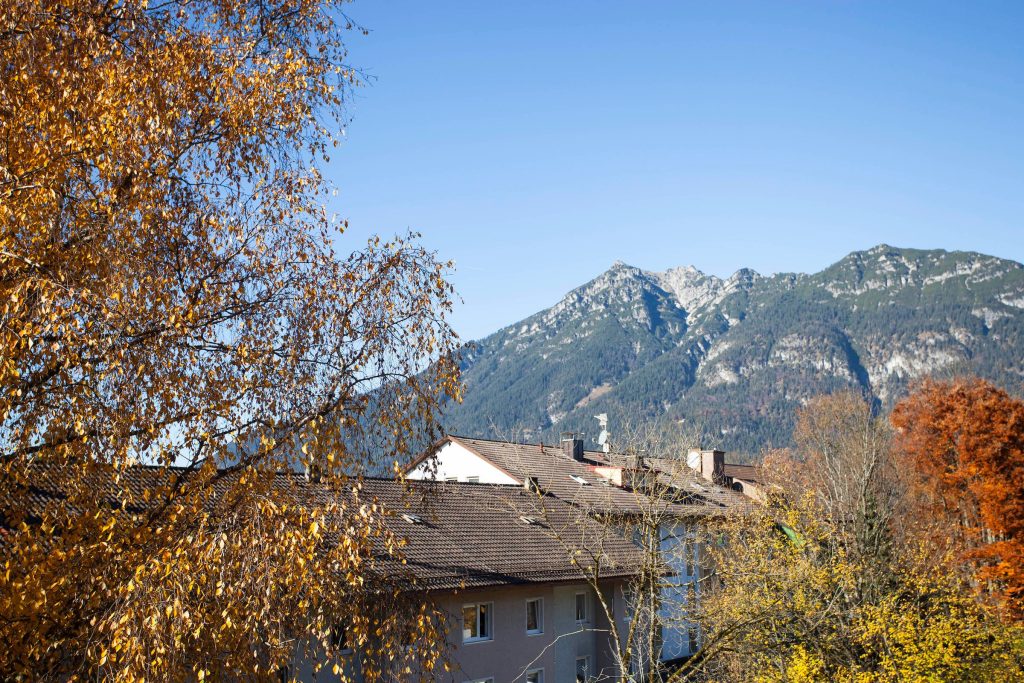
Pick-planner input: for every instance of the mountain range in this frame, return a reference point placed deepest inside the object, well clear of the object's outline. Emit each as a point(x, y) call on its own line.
point(736, 357)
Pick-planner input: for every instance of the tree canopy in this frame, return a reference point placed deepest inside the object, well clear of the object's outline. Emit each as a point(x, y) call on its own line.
point(865, 585)
point(966, 438)
point(171, 294)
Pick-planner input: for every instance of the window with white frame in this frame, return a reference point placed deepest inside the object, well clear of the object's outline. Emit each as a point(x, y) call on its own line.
point(535, 676)
point(473, 480)
point(581, 608)
point(582, 669)
point(535, 616)
point(476, 622)
point(628, 603)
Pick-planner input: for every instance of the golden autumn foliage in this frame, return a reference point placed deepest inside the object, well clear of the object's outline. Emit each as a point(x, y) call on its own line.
point(170, 295)
point(833, 581)
point(791, 611)
point(966, 438)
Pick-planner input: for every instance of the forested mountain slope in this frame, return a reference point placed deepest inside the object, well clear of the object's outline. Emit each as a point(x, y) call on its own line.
point(737, 356)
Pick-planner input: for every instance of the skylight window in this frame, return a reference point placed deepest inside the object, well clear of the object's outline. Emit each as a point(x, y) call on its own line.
point(532, 521)
point(579, 480)
point(412, 519)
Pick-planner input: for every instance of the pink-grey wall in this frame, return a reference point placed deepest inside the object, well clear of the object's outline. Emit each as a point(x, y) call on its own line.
point(511, 652)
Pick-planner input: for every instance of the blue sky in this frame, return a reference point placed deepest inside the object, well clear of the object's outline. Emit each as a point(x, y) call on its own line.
point(534, 143)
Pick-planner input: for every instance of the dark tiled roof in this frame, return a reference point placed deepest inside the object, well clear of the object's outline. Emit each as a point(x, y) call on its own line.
point(559, 475)
point(474, 534)
point(745, 472)
point(471, 534)
point(49, 486)
point(554, 472)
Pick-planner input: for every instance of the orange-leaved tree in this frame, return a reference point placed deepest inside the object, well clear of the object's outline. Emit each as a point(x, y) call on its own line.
point(177, 331)
point(966, 439)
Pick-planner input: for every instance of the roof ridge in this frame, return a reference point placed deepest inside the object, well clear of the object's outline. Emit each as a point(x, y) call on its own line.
point(504, 442)
point(435, 482)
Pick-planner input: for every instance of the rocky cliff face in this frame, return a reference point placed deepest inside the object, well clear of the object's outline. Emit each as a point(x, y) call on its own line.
point(737, 356)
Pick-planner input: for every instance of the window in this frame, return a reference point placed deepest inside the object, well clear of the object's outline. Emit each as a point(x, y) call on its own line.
point(690, 552)
point(473, 480)
point(582, 669)
point(476, 622)
point(691, 636)
point(535, 616)
point(579, 480)
point(691, 594)
point(535, 676)
point(451, 479)
point(339, 639)
point(581, 607)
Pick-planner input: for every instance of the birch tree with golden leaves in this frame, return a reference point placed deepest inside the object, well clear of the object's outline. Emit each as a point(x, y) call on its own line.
point(178, 332)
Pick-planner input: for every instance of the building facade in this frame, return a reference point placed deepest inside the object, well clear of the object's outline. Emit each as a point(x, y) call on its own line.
point(604, 483)
point(535, 633)
point(515, 607)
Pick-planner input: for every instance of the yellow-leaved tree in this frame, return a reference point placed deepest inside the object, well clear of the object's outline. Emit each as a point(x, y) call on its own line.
point(833, 580)
point(177, 334)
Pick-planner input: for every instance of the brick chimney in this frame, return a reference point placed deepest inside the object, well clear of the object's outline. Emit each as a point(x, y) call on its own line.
point(712, 465)
point(572, 446)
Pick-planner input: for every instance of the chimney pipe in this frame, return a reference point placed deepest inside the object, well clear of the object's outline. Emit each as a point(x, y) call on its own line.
point(532, 485)
point(572, 446)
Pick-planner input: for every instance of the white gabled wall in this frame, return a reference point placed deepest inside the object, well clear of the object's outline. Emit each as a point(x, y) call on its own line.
point(455, 460)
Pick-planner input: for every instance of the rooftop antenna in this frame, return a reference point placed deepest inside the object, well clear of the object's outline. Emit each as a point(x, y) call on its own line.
point(602, 439)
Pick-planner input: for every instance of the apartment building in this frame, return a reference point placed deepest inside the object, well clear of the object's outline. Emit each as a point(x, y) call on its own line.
point(518, 610)
point(605, 484)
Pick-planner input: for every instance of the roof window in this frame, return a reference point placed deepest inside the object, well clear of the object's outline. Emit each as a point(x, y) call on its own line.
point(579, 480)
point(412, 519)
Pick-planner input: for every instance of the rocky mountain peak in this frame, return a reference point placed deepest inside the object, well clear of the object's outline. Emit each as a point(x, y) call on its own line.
point(742, 279)
point(692, 289)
